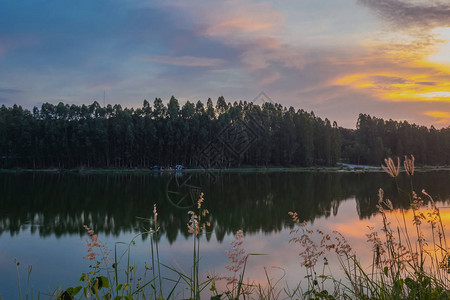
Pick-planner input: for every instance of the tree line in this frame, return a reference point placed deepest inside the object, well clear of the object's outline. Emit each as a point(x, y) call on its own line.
point(375, 139)
point(71, 136)
point(223, 134)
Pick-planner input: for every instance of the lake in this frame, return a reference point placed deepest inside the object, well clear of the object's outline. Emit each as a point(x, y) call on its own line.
point(42, 217)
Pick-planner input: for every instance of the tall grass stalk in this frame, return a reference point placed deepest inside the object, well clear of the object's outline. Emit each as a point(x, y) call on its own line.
point(403, 265)
point(30, 268)
point(197, 223)
point(17, 263)
point(156, 265)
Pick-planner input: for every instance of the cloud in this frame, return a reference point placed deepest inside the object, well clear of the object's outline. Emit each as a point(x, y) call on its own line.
point(308, 54)
point(243, 19)
point(411, 14)
point(234, 18)
point(6, 101)
point(441, 115)
point(252, 29)
point(401, 84)
point(238, 25)
point(188, 61)
point(394, 67)
point(380, 79)
point(10, 91)
point(426, 83)
point(271, 78)
point(10, 44)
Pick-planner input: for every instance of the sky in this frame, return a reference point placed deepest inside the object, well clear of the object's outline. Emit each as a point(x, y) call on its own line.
point(338, 58)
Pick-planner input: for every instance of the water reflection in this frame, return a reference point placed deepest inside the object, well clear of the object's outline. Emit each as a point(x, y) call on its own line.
point(36, 208)
point(60, 204)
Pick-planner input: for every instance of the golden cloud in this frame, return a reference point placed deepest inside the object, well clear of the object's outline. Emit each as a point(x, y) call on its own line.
point(410, 62)
point(408, 70)
point(399, 87)
point(442, 117)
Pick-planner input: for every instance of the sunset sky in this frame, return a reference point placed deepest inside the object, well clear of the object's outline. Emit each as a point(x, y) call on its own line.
point(387, 58)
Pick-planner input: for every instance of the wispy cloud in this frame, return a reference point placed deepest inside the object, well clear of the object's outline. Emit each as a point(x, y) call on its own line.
point(270, 78)
point(401, 85)
point(252, 29)
point(188, 61)
point(397, 66)
point(239, 19)
point(411, 14)
point(329, 56)
point(442, 117)
point(10, 91)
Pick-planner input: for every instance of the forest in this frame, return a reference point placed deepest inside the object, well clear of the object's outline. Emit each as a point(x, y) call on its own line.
point(199, 135)
point(375, 139)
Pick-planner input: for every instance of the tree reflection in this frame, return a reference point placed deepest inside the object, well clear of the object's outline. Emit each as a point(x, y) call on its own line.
point(61, 204)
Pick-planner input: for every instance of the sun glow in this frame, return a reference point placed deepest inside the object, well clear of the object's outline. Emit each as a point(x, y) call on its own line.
point(420, 94)
point(399, 87)
point(435, 95)
point(405, 68)
point(442, 53)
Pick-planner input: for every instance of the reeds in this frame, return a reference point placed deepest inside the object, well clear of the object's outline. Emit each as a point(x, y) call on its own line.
point(105, 280)
point(407, 263)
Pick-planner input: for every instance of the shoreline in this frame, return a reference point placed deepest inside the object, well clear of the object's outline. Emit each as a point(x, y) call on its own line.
point(340, 169)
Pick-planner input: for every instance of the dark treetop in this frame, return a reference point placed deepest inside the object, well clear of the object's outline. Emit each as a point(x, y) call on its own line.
point(206, 136)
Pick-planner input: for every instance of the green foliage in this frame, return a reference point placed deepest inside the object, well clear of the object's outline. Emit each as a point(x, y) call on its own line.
point(70, 293)
point(375, 138)
point(91, 136)
point(63, 136)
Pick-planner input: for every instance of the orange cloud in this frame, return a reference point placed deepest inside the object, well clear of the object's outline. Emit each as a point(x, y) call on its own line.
point(441, 116)
point(255, 29)
point(239, 25)
point(409, 86)
point(241, 19)
point(402, 67)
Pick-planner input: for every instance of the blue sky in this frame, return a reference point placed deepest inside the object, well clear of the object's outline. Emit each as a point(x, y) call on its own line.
point(388, 58)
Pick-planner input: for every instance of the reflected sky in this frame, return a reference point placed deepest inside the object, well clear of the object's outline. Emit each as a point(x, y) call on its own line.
point(258, 203)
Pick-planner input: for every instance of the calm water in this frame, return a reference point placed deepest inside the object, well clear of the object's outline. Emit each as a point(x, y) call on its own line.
point(42, 218)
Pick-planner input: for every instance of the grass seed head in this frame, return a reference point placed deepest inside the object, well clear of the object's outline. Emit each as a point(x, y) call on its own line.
point(390, 167)
point(408, 163)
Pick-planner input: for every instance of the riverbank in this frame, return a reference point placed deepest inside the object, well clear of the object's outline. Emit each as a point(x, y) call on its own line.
point(340, 168)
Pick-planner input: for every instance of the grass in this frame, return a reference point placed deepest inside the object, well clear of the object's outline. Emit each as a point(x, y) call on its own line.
point(410, 260)
point(407, 263)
